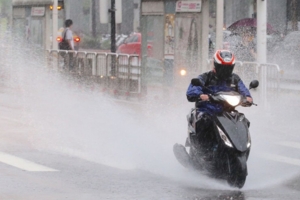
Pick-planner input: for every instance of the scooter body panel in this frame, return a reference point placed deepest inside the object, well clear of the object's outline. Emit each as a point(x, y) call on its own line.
point(235, 126)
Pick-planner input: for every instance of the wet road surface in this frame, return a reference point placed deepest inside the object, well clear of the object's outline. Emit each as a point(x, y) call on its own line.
point(35, 166)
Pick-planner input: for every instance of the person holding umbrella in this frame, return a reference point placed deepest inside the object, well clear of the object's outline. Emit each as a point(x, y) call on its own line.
point(246, 28)
point(246, 50)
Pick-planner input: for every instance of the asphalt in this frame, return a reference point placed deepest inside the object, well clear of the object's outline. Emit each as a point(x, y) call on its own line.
point(59, 141)
point(87, 161)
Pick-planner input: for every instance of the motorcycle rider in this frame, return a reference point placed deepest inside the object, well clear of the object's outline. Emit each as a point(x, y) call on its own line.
point(219, 79)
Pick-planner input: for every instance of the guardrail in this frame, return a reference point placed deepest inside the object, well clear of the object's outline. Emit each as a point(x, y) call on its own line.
point(120, 73)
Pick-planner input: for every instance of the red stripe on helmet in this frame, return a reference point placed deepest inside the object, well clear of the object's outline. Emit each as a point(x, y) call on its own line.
point(220, 60)
point(217, 57)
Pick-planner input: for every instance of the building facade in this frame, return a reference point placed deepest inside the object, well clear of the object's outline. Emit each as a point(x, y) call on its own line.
point(177, 35)
point(82, 11)
point(37, 28)
point(32, 22)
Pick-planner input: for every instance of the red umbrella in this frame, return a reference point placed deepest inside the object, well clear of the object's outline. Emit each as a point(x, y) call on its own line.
point(248, 23)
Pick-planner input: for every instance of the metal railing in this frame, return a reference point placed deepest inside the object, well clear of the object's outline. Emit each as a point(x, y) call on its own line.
point(122, 72)
point(116, 72)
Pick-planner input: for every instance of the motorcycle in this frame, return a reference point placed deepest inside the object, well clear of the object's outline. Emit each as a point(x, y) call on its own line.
point(222, 147)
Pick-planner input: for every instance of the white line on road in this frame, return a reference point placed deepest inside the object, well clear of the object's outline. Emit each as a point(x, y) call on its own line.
point(295, 145)
point(10, 119)
point(23, 164)
point(282, 159)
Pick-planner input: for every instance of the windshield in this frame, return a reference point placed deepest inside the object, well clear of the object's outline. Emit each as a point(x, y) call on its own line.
point(232, 93)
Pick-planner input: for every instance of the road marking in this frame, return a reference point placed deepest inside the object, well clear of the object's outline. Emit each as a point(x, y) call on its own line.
point(282, 159)
point(23, 164)
point(10, 119)
point(295, 145)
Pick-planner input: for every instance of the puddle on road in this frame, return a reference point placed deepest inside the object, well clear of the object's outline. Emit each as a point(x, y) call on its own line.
point(84, 123)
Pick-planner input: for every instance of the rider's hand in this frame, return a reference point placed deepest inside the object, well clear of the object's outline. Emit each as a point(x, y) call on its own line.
point(204, 97)
point(249, 99)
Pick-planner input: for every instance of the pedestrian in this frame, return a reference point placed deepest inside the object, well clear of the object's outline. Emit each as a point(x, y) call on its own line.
point(68, 34)
point(67, 43)
point(246, 50)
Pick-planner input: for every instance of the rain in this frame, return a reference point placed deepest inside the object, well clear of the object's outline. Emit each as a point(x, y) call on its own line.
point(99, 119)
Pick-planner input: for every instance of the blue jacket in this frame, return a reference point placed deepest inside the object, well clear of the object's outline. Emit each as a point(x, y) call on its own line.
point(233, 83)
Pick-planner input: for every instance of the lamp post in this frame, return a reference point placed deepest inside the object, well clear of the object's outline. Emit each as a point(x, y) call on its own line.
point(261, 31)
point(55, 24)
point(204, 35)
point(94, 24)
point(219, 24)
point(112, 10)
point(113, 26)
point(262, 46)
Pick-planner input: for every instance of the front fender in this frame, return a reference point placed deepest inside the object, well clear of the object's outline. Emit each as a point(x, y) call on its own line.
point(237, 164)
point(242, 162)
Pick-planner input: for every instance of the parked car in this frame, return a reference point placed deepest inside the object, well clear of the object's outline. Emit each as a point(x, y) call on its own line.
point(105, 43)
point(133, 44)
point(120, 39)
point(272, 41)
point(286, 52)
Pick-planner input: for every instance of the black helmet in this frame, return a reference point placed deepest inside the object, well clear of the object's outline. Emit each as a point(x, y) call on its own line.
point(224, 62)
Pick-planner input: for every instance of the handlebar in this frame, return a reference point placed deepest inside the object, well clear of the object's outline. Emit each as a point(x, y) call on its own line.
point(216, 98)
point(246, 103)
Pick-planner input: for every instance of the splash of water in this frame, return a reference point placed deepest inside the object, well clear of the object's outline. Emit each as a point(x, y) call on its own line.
point(80, 122)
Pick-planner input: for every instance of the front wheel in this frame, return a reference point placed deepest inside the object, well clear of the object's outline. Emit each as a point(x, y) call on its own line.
point(237, 169)
point(237, 180)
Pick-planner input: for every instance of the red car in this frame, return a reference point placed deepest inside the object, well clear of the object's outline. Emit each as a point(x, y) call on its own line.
point(132, 45)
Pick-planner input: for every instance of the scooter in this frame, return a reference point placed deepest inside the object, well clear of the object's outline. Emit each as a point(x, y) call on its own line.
point(221, 148)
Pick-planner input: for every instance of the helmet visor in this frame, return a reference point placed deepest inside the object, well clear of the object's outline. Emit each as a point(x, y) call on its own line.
point(224, 71)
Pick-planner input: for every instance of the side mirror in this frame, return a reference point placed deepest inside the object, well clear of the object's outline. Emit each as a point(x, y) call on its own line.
point(253, 84)
point(196, 82)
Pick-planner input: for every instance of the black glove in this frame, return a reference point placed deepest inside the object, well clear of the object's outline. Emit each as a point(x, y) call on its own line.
point(246, 103)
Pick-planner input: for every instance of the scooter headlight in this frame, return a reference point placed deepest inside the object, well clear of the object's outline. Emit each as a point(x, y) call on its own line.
point(224, 137)
point(249, 140)
point(232, 100)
